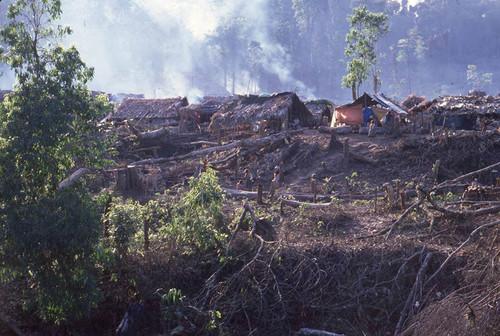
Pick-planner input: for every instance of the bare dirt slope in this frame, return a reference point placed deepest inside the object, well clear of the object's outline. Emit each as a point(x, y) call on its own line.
point(353, 263)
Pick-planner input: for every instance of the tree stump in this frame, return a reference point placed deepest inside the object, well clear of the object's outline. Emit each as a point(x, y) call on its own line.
point(127, 179)
point(281, 174)
point(435, 171)
point(260, 188)
point(314, 188)
point(334, 141)
point(389, 190)
point(272, 189)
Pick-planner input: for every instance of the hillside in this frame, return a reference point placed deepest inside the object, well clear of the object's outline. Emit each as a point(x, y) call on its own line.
point(352, 263)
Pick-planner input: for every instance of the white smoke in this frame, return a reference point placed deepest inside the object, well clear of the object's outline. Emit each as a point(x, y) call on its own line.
point(155, 46)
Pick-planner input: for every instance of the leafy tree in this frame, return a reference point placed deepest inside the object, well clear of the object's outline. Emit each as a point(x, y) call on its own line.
point(230, 40)
point(254, 59)
point(48, 234)
point(366, 30)
point(410, 50)
point(477, 80)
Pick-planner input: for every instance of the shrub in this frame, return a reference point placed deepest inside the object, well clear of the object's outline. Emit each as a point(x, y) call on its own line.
point(197, 219)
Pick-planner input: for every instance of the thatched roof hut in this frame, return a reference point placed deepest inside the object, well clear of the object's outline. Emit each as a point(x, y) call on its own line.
point(460, 112)
point(153, 111)
point(467, 105)
point(321, 108)
point(412, 100)
point(283, 109)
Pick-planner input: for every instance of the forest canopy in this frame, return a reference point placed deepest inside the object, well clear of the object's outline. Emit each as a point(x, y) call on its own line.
point(217, 47)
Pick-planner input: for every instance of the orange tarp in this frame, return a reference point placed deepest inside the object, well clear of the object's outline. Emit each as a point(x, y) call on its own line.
point(353, 115)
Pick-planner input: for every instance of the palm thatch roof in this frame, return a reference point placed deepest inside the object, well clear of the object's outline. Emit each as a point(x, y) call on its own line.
point(191, 112)
point(466, 105)
point(320, 108)
point(284, 107)
point(412, 100)
point(144, 109)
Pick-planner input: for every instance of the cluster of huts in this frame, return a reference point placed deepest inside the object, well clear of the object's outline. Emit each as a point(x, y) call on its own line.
point(286, 110)
point(243, 112)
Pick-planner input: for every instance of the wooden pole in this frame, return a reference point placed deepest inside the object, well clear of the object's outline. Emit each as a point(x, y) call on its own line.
point(314, 189)
point(403, 199)
point(272, 189)
point(259, 193)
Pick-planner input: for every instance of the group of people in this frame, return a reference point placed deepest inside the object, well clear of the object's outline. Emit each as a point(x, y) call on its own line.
point(391, 122)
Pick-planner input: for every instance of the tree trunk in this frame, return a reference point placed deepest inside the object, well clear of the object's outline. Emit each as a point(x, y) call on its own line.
point(334, 141)
point(127, 179)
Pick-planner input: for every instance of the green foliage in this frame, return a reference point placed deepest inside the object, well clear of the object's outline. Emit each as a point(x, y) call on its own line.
point(197, 218)
point(366, 29)
point(476, 79)
point(49, 121)
point(173, 309)
point(53, 241)
point(125, 220)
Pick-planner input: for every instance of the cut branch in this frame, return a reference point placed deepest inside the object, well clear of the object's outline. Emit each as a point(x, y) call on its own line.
point(417, 287)
point(467, 175)
point(406, 213)
point(469, 239)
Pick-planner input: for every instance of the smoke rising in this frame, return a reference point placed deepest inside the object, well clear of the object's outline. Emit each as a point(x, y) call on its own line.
point(158, 47)
point(165, 48)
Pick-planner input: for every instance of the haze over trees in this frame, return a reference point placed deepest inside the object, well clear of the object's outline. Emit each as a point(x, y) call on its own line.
point(210, 47)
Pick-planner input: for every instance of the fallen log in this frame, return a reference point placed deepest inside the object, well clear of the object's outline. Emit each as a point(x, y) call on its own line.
point(186, 156)
point(74, 177)
point(445, 183)
point(203, 143)
point(314, 332)
point(253, 195)
point(412, 299)
point(153, 149)
point(473, 213)
point(244, 143)
point(290, 151)
point(362, 158)
point(305, 157)
point(471, 236)
point(296, 204)
point(153, 135)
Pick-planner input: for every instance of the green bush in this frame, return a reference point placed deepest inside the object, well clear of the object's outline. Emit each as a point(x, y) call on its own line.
point(53, 240)
point(197, 218)
point(124, 220)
